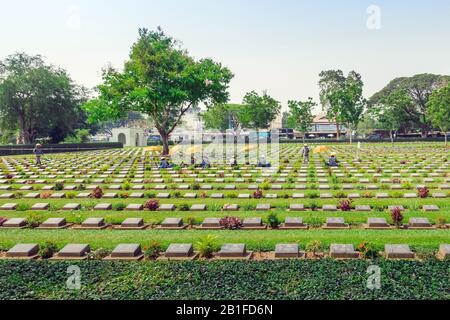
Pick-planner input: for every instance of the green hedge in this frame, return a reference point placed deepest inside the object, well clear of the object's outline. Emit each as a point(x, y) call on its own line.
point(299, 280)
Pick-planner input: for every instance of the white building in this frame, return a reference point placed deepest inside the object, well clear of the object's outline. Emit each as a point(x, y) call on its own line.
point(129, 137)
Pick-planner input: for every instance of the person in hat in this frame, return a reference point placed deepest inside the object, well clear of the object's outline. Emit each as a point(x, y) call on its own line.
point(38, 153)
point(164, 164)
point(333, 162)
point(305, 154)
point(263, 163)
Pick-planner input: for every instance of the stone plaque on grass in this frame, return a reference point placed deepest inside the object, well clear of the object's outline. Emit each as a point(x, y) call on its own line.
point(343, 251)
point(183, 250)
point(23, 251)
point(263, 207)
point(398, 251)
point(287, 251)
point(15, 223)
point(103, 207)
point(127, 252)
point(74, 251)
point(198, 207)
point(233, 251)
point(8, 206)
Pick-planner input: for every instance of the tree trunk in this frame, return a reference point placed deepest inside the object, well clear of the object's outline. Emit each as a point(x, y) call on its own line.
point(303, 137)
point(165, 142)
point(391, 136)
point(338, 131)
point(446, 138)
point(351, 134)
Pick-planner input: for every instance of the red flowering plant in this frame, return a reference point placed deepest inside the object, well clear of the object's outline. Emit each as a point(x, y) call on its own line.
point(397, 216)
point(151, 205)
point(231, 223)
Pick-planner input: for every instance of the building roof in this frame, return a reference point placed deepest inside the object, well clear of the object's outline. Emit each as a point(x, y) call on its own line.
point(322, 118)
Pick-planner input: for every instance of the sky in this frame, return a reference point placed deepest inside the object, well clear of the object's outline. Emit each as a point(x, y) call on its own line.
point(276, 45)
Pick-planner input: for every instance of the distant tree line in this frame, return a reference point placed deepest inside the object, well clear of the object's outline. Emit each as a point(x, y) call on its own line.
point(162, 81)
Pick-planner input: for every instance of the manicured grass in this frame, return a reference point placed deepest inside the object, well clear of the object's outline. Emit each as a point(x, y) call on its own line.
point(263, 240)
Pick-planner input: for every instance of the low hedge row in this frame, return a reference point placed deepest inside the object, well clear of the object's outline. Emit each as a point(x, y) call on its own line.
point(198, 280)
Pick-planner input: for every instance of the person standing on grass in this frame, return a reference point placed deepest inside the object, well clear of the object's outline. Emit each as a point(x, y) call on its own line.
point(305, 154)
point(38, 153)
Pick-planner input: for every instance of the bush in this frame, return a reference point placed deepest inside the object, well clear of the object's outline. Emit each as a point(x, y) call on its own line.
point(71, 195)
point(397, 216)
point(423, 192)
point(258, 194)
point(59, 186)
point(153, 250)
point(345, 204)
point(367, 195)
point(152, 205)
point(45, 195)
point(2, 220)
point(97, 193)
point(273, 220)
point(124, 195)
point(314, 247)
point(80, 187)
point(23, 207)
point(48, 249)
point(368, 251)
point(206, 246)
point(195, 186)
point(231, 223)
point(98, 254)
point(248, 207)
point(183, 207)
point(120, 206)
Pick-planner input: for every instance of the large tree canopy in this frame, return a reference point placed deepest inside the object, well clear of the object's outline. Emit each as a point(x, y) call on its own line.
point(226, 116)
point(419, 89)
point(341, 98)
point(300, 115)
point(161, 80)
point(261, 109)
point(438, 109)
point(38, 100)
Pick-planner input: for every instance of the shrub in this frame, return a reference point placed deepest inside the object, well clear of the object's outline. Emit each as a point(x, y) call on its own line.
point(177, 194)
point(97, 193)
point(231, 223)
point(345, 204)
point(273, 220)
point(249, 207)
point(183, 207)
point(195, 186)
point(258, 194)
point(441, 221)
point(314, 247)
point(124, 195)
point(214, 207)
point(59, 186)
point(340, 195)
point(98, 254)
point(2, 220)
point(397, 216)
point(367, 250)
point(206, 246)
point(313, 195)
point(367, 195)
point(232, 195)
point(71, 195)
point(151, 205)
point(191, 221)
point(126, 186)
point(423, 192)
point(315, 222)
point(81, 187)
point(264, 186)
point(150, 195)
point(120, 206)
point(153, 250)
point(45, 195)
point(203, 195)
point(23, 207)
point(48, 249)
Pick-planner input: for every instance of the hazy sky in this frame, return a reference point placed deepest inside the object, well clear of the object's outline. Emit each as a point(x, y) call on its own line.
point(280, 46)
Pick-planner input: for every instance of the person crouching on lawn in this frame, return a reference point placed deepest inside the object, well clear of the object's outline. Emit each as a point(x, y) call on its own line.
point(333, 162)
point(38, 153)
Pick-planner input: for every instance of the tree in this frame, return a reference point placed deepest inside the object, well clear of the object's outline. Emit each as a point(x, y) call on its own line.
point(419, 89)
point(37, 99)
point(390, 111)
point(300, 115)
point(261, 110)
point(330, 82)
point(350, 102)
point(161, 80)
point(226, 116)
point(438, 110)
point(342, 99)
